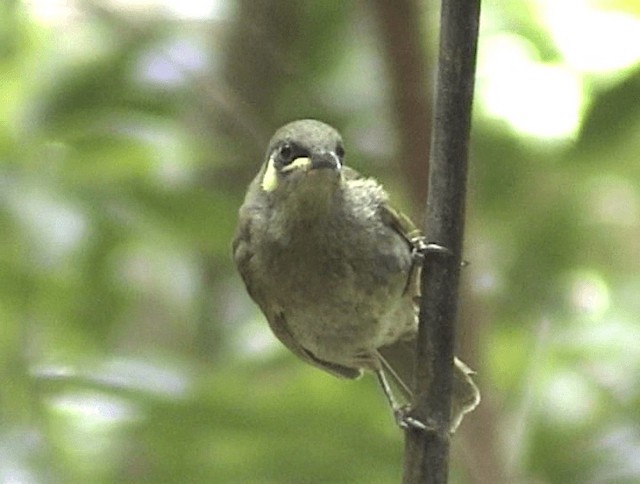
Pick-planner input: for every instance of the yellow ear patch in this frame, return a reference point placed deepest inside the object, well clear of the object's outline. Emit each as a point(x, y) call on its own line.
point(270, 178)
point(302, 162)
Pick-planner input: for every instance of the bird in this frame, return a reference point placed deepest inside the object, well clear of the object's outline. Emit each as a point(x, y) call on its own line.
point(335, 268)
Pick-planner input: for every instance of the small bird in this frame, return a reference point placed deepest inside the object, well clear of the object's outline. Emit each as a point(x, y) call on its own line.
point(334, 268)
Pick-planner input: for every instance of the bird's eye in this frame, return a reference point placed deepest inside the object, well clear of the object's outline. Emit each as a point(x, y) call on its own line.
point(286, 153)
point(340, 151)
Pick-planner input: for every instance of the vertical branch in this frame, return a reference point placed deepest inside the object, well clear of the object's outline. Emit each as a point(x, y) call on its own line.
point(427, 452)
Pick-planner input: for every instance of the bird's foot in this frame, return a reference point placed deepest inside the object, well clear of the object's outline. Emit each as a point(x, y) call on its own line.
point(427, 247)
point(437, 249)
point(421, 248)
point(406, 421)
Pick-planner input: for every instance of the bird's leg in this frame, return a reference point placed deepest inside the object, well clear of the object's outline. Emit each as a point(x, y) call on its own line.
point(419, 247)
point(400, 412)
point(417, 256)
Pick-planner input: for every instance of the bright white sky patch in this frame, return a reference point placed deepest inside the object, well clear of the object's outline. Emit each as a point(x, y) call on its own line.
point(547, 100)
point(589, 294)
point(592, 40)
point(537, 99)
point(57, 10)
point(185, 9)
point(542, 100)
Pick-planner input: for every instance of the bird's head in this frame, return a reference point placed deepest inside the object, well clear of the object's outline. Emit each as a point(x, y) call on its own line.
point(304, 157)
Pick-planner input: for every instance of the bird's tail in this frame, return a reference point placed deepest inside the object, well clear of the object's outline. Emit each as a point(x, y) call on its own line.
point(398, 362)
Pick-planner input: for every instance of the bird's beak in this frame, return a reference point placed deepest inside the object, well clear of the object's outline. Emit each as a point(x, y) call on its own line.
point(325, 159)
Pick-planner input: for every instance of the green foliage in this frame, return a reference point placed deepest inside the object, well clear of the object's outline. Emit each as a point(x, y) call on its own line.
point(129, 351)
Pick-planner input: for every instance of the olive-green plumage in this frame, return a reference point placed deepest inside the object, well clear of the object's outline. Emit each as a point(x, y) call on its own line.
point(332, 266)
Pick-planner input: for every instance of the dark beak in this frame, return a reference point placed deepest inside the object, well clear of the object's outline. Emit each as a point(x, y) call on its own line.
point(325, 159)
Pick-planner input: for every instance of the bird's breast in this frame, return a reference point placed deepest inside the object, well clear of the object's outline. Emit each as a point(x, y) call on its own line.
point(338, 281)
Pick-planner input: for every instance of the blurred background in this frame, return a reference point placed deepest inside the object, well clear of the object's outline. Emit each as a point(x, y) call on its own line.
point(129, 350)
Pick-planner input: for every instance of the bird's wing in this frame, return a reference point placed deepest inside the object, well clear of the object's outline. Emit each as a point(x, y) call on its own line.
point(242, 247)
point(405, 228)
point(243, 253)
point(403, 225)
point(465, 393)
point(278, 323)
point(394, 218)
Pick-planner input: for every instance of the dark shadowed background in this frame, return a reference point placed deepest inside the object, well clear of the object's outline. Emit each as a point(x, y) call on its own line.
point(129, 350)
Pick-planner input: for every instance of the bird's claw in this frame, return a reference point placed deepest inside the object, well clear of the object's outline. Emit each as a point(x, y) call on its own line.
point(422, 247)
point(435, 248)
point(406, 421)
